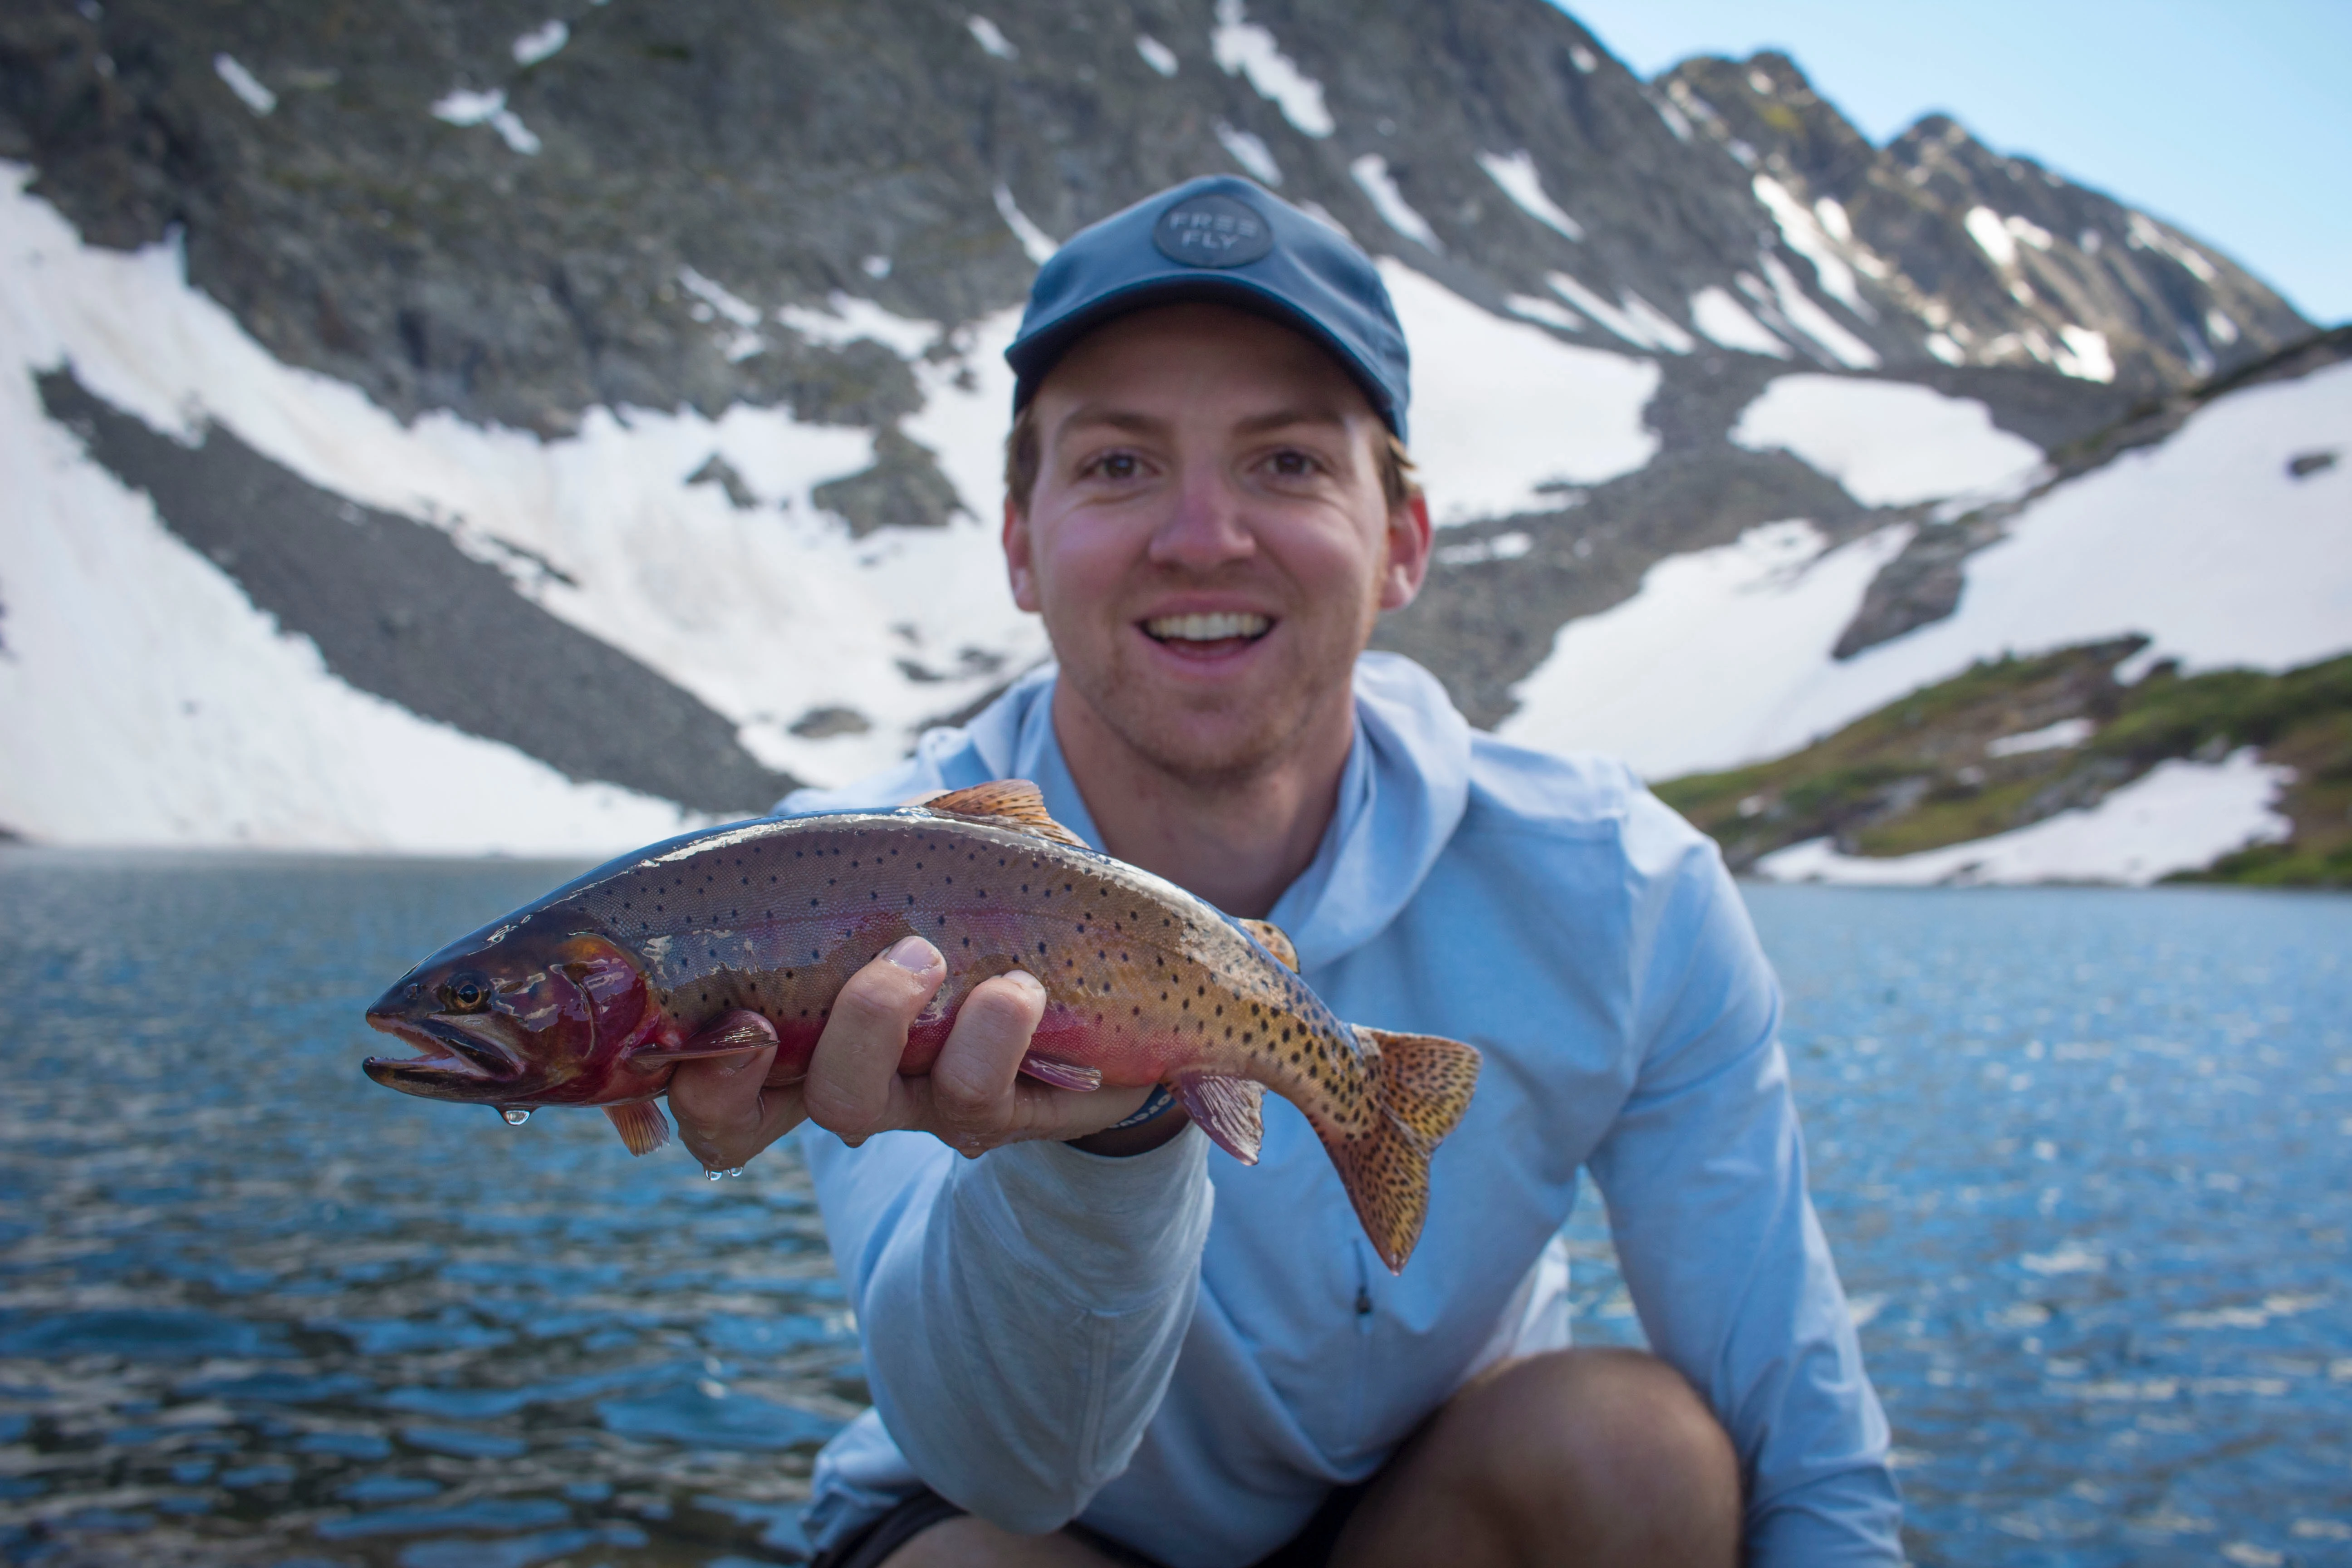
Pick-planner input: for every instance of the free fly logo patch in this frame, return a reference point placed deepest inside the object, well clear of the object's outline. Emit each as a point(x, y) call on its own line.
point(1212, 231)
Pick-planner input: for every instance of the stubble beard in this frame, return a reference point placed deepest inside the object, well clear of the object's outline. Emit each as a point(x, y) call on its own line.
point(1227, 742)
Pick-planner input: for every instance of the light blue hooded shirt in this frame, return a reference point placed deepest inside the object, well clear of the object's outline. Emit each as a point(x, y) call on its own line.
point(1186, 1353)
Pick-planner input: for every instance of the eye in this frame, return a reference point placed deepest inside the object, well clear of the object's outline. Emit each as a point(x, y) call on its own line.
point(1292, 464)
point(1116, 466)
point(467, 991)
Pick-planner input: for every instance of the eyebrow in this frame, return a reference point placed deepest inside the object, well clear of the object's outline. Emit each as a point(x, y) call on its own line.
point(1093, 414)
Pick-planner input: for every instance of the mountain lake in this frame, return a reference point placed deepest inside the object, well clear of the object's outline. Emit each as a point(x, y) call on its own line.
point(2081, 1154)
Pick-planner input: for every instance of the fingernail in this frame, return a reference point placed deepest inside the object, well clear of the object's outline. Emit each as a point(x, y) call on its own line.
point(913, 954)
point(1023, 977)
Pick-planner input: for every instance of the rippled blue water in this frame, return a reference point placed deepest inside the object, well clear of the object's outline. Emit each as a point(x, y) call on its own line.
point(2081, 1155)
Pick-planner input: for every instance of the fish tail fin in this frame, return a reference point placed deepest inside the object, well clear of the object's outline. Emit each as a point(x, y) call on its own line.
point(1421, 1086)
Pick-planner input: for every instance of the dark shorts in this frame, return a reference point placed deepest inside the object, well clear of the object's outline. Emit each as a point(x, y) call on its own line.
point(872, 1547)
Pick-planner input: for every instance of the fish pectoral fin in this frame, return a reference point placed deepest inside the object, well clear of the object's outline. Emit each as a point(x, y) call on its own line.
point(1062, 1075)
point(729, 1034)
point(1014, 803)
point(642, 1126)
point(1271, 938)
point(1230, 1110)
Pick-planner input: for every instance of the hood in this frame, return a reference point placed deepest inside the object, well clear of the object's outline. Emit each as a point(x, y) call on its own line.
point(1406, 785)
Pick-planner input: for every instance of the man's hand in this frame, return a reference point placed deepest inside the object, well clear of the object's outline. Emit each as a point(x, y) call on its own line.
point(973, 1098)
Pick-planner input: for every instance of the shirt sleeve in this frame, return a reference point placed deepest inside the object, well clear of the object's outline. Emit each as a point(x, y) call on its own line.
point(1022, 1312)
point(1704, 1174)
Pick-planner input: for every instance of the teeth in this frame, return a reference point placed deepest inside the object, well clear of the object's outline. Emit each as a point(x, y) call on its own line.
point(1206, 629)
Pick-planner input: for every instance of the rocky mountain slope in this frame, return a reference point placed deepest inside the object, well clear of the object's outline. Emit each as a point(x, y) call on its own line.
point(590, 409)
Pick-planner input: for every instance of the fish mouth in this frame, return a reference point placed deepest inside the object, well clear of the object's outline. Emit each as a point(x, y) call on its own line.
point(458, 1057)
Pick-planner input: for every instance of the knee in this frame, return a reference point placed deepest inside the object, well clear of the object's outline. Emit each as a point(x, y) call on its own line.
point(1584, 1435)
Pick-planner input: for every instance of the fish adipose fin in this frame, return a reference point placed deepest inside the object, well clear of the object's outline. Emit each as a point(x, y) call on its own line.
point(1062, 1075)
point(1229, 1110)
point(1421, 1086)
point(1271, 938)
point(642, 1126)
point(729, 1034)
point(1015, 803)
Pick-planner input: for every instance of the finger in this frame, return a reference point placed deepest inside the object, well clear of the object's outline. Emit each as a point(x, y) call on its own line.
point(971, 1086)
point(853, 1087)
point(726, 1113)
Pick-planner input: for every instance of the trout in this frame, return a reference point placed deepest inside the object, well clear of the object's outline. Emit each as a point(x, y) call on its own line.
point(723, 941)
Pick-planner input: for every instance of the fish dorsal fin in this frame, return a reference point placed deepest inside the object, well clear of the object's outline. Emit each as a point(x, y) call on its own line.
point(1016, 803)
point(1270, 937)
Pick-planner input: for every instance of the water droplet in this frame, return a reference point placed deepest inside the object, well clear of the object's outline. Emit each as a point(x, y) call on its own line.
point(737, 1170)
point(709, 1175)
point(516, 1116)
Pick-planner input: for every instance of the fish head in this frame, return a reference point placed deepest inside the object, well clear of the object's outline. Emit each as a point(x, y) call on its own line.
point(521, 1018)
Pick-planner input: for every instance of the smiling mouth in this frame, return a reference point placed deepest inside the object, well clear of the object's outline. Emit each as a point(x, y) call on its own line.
point(1221, 632)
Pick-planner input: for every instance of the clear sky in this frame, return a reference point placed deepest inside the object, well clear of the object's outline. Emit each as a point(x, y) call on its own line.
point(2231, 119)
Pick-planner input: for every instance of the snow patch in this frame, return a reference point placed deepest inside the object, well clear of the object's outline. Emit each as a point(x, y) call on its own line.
point(2131, 547)
point(1945, 348)
point(1992, 235)
point(1675, 119)
point(1722, 318)
point(2064, 735)
point(1543, 310)
point(989, 37)
point(1500, 547)
point(2219, 328)
point(462, 106)
point(2178, 817)
point(1371, 174)
point(1889, 443)
point(846, 319)
point(1517, 175)
point(764, 615)
point(1156, 55)
point(1251, 152)
point(1633, 318)
point(541, 42)
point(2084, 353)
point(1802, 232)
point(1242, 48)
point(714, 301)
point(1036, 242)
point(1684, 675)
point(876, 266)
point(1584, 59)
point(245, 84)
point(1812, 320)
point(2145, 234)
point(1501, 408)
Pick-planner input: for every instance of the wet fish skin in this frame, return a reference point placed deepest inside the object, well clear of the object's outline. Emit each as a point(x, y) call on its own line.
point(719, 941)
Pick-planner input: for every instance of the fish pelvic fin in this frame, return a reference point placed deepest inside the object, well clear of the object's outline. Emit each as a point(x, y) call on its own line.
point(1271, 938)
point(1010, 802)
point(641, 1125)
point(1421, 1086)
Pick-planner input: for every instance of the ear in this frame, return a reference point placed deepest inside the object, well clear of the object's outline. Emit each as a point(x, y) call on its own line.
point(1020, 564)
point(1410, 536)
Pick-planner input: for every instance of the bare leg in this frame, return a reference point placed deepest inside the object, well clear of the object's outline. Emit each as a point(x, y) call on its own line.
point(1580, 1458)
point(970, 1542)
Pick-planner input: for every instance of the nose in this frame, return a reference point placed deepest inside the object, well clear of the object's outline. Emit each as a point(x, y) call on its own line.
point(1207, 528)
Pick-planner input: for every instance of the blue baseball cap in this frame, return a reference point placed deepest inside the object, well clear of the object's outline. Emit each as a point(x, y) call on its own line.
point(1224, 239)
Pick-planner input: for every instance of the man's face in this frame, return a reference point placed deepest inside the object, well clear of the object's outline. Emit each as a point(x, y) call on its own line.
point(1208, 541)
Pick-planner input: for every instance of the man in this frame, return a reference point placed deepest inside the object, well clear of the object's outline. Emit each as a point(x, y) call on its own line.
point(1091, 1339)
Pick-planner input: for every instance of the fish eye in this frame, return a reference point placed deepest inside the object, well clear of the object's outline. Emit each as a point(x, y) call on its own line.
point(467, 991)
